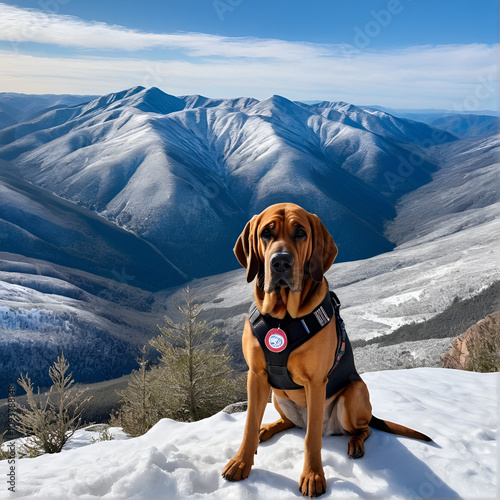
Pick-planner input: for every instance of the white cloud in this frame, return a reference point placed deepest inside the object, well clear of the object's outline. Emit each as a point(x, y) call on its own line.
point(30, 25)
point(422, 76)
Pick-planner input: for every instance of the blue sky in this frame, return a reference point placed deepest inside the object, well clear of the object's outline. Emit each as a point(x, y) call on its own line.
point(399, 53)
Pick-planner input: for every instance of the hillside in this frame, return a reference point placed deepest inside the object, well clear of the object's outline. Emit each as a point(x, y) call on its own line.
point(477, 123)
point(45, 308)
point(17, 108)
point(35, 223)
point(447, 236)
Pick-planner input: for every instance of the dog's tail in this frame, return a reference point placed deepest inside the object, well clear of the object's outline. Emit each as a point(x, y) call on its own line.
point(384, 425)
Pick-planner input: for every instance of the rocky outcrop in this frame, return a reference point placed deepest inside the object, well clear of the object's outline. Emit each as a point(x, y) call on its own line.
point(477, 349)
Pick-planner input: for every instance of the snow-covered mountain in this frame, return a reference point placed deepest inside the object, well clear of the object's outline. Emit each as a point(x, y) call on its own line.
point(36, 223)
point(184, 460)
point(447, 249)
point(104, 200)
point(16, 108)
point(480, 123)
point(186, 173)
point(100, 323)
point(469, 125)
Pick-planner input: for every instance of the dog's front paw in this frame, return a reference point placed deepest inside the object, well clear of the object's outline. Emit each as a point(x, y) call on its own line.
point(312, 484)
point(236, 470)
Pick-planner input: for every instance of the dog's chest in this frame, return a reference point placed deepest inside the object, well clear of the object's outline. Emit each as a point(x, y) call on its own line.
point(298, 415)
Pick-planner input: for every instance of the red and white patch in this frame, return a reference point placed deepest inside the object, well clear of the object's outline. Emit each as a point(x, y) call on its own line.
point(276, 340)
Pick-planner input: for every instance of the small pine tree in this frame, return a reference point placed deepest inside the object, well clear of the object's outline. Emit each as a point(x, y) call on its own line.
point(194, 366)
point(143, 401)
point(51, 422)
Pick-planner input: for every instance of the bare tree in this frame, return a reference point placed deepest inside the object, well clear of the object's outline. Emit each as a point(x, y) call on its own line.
point(53, 419)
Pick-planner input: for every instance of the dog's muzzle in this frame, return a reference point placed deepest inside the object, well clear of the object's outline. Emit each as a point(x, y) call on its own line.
point(281, 265)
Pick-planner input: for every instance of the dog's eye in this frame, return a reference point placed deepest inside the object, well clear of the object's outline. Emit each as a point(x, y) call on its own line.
point(300, 234)
point(266, 234)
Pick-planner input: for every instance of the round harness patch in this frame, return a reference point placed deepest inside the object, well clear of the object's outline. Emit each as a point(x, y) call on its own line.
point(276, 340)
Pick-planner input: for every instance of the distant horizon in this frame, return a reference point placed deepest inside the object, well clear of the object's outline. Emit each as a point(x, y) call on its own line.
point(395, 53)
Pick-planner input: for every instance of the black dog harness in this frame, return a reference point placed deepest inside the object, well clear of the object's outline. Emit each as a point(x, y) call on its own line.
point(278, 338)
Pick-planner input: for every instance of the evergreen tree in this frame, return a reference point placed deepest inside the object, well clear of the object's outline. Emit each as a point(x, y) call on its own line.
point(194, 365)
point(144, 400)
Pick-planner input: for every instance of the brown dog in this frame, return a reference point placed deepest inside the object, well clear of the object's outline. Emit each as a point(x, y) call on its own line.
point(289, 249)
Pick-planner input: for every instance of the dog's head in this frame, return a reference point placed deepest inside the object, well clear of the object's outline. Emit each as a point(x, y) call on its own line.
point(288, 249)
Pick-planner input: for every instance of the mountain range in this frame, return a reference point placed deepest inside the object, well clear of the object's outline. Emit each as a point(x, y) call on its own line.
point(186, 173)
point(109, 205)
point(477, 123)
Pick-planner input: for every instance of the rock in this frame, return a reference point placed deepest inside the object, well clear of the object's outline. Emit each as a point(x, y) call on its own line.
point(477, 349)
point(236, 407)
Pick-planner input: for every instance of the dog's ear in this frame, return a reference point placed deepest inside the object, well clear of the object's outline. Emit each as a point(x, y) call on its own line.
point(246, 251)
point(324, 249)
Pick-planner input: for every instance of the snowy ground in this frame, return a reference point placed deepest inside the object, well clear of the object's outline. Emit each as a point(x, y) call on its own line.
point(184, 460)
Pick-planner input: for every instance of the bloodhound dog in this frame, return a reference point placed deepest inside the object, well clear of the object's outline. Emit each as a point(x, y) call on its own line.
point(289, 249)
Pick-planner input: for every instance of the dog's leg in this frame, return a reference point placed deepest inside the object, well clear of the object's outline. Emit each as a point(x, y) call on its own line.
point(267, 431)
point(312, 481)
point(239, 466)
point(355, 413)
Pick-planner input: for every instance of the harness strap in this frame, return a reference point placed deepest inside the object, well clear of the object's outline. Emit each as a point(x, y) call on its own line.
point(297, 331)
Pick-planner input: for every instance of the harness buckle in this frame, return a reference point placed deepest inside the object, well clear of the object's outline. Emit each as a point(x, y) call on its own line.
point(335, 299)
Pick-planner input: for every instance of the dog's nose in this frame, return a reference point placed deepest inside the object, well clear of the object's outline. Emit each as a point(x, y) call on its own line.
point(282, 261)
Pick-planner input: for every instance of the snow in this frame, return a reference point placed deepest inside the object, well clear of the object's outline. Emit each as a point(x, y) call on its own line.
point(184, 460)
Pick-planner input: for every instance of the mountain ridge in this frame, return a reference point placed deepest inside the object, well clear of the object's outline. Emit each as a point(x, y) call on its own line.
point(146, 160)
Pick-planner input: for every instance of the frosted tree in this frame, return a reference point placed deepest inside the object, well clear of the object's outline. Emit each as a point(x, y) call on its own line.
point(143, 402)
point(194, 365)
point(50, 420)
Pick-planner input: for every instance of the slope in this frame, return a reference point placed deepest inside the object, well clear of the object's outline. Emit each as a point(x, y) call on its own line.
point(37, 224)
point(100, 323)
point(469, 125)
point(462, 194)
point(447, 249)
point(22, 107)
